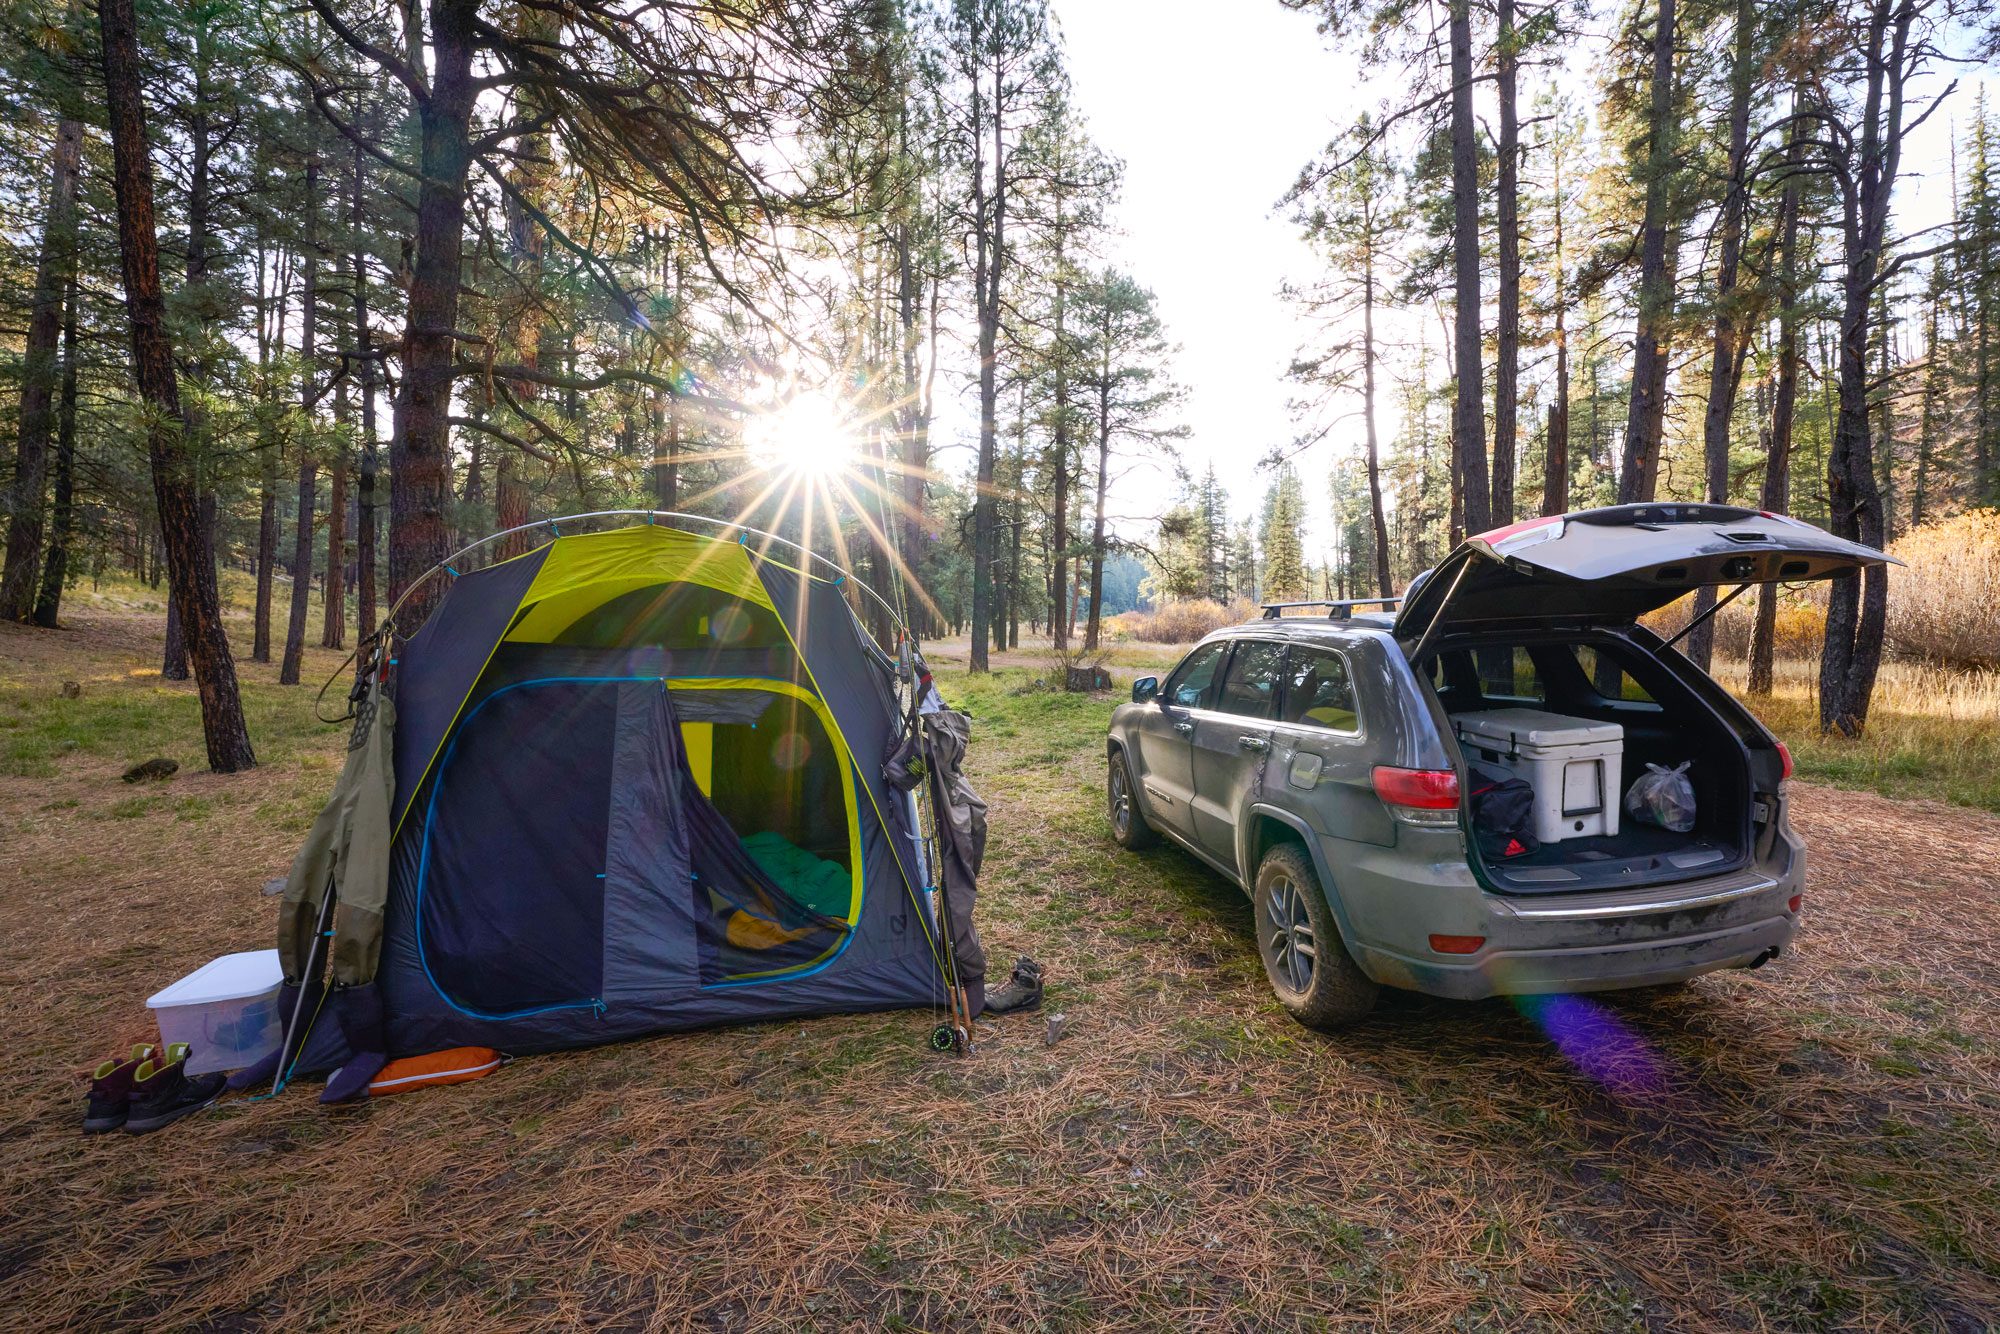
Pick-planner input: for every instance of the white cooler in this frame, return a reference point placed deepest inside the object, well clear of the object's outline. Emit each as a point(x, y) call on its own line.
point(1575, 765)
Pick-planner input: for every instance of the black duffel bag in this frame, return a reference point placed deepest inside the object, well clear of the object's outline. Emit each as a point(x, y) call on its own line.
point(1503, 814)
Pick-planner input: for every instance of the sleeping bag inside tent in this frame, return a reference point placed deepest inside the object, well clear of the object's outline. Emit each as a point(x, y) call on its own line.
point(637, 787)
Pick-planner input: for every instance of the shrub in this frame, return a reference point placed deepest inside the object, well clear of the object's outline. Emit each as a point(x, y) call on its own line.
point(1945, 607)
point(1182, 622)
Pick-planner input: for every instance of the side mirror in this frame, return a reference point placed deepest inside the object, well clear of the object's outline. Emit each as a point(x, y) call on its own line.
point(1145, 688)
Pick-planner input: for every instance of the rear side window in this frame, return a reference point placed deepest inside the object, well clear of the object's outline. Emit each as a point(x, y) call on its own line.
point(1192, 685)
point(1251, 687)
point(1318, 692)
point(1608, 678)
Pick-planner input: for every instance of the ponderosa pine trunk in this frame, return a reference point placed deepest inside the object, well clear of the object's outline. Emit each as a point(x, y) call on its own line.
point(1507, 317)
point(1725, 373)
point(290, 669)
point(420, 448)
point(990, 254)
point(1377, 517)
point(62, 515)
point(1857, 607)
point(1645, 420)
point(1468, 419)
point(1776, 494)
point(40, 371)
point(1095, 625)
point(365, 501)
point(190, 563)
point(333, 620)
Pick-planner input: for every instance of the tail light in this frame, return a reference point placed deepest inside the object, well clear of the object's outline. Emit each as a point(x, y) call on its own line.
point(1785, 758)
point(1457, 944)
point(1797, 902)
point(1419, 796)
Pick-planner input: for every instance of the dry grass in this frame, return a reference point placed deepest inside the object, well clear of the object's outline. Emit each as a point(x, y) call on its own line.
point(1932, 732)
point(1182, 622)
point(1818, 1151)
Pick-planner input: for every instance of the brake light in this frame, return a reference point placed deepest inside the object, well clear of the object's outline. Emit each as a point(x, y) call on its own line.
point(1785, 758)
point(1796, 902)
point(1419, 796)
point(1426, 789)
point(1457, 944)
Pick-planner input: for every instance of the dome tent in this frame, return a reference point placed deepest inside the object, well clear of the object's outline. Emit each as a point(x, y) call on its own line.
point(636, 786)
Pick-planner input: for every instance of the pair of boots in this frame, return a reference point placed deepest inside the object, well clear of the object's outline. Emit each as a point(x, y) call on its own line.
point(150, 1088)
point(358, 1012)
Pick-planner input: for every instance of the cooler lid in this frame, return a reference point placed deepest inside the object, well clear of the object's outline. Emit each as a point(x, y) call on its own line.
point(1534, 727)
point(231, 977)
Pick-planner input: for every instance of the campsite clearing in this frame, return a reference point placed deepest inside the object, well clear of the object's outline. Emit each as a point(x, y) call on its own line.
point(1820, 1151)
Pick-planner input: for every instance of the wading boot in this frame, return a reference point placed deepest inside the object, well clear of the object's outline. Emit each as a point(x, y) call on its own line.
point(111, 1091)
point(163, 1091)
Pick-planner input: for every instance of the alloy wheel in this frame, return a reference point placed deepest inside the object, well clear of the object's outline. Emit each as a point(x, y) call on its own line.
point(1121, 800)
point(1288, 930)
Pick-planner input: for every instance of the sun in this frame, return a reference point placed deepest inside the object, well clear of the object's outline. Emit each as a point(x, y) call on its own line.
point(809, 434)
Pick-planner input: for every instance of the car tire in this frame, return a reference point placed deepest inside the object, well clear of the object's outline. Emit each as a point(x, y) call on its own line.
point(1129, 829)
point(1304, 956)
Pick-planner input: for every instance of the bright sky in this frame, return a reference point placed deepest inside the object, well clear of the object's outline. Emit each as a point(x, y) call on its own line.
point(1213, 117)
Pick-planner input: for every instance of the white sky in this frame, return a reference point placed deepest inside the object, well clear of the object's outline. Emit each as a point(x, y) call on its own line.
point(1213, 117)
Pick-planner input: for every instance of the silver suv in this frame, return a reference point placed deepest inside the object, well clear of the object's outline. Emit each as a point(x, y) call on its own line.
point(1314, 760)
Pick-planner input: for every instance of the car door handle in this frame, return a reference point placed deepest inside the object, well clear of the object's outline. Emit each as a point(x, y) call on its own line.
point(1185, 729)
point(1253, 742)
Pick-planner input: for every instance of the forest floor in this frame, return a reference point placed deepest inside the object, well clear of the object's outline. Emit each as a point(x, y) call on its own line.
point(1814, 1145)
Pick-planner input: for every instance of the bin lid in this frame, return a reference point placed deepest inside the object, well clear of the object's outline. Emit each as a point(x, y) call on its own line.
point(231, 977)
point(1533, 727)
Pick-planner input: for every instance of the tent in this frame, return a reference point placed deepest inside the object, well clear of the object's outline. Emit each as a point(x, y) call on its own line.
point(635, 784)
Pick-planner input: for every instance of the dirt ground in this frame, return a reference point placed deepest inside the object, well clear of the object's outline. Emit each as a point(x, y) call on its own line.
point(1812, 1145)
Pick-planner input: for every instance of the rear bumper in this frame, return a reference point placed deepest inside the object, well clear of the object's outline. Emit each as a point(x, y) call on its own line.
point(1562, 942)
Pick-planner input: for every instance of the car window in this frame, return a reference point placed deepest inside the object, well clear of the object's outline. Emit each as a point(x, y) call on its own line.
point(1318, 692)
point(1608, 678)
point(1191, 685)
point(1251, 686)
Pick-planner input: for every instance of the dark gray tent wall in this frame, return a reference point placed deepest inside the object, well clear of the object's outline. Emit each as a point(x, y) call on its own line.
point(544, 889)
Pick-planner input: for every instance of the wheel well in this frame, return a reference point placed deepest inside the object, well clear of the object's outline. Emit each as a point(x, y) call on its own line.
point(1268, 833)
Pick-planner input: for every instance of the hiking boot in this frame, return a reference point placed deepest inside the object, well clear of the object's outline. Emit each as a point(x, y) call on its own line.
point(1022, 992)
point(111, 1091)
point(163, 1091)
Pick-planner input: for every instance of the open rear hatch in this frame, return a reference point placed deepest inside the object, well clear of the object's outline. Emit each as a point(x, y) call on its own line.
point(1611, 566)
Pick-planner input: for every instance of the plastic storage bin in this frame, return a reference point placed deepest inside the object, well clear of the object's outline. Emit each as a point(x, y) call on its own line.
point(226, 1011)
point(1575, 765)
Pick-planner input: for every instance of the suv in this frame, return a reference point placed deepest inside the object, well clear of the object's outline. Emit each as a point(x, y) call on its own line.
point(1314, 761)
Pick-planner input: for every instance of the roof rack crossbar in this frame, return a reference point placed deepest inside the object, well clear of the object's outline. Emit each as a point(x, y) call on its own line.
point(1337, 608)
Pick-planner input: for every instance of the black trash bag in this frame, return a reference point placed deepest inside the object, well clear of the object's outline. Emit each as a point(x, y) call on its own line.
point(1503, 814)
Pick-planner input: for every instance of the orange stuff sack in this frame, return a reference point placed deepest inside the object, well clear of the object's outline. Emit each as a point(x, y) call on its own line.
point(452, 1066)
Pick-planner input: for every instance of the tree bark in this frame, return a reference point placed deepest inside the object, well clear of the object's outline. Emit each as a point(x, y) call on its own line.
point(1725, 373)
point(1638, 477)
point(1555, 456)
point(1383, 585)
point(39, 374)
point(190, 568)
point(333, 622)
point(990, 256)
point(267, 556)
point(302, 547)
point(1507, 331)
point(365, 503)
point(1468, 430)
point(62, 518)
point(1857, 607)
point(420, 449)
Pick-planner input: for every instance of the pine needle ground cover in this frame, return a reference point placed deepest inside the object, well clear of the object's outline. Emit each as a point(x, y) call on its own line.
point(1813, 1145)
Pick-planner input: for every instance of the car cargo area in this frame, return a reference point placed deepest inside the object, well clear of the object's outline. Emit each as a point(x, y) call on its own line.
point(1587, 681)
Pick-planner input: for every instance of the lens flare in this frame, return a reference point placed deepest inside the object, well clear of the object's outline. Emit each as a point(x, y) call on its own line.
point(810, 434)
point(1598, 1043)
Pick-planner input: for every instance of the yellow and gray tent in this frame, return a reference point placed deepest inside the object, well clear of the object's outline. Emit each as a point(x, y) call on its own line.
point(638, 787)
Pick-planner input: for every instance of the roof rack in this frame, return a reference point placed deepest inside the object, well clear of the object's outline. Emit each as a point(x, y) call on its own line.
point(1337, 609)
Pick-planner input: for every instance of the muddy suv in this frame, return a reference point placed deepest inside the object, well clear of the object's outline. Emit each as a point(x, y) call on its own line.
point(1316, 761)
